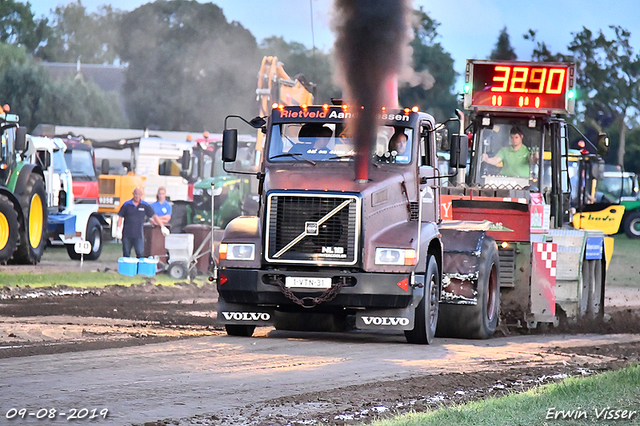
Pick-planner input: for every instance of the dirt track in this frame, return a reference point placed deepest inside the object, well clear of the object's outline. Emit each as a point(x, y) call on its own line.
point(164, 344)
point(342, 378)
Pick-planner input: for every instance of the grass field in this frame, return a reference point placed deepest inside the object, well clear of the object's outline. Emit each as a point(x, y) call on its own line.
point(625, 268)
point(600, 399)
point(87, 277)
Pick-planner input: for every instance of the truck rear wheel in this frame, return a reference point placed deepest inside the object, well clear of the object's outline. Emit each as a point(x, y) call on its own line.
point(8, 229)
point(593, 277)
point(632, 225)
point(476, 321)
point(93, 235)
point(240, 330)
point(33, 233)
point(426, 315)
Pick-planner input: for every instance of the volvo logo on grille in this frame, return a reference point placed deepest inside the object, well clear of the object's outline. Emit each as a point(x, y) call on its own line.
point(311, 228)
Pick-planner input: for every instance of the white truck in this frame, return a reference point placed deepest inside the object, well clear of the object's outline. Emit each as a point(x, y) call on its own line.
point(68, 223)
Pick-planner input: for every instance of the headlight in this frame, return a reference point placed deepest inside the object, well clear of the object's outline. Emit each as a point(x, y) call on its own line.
point(197, 191)
point(395, 256)
point(216, 191)
point(237, 251)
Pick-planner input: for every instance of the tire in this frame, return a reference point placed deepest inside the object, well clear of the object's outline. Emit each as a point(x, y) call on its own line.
point(33, 231)
point(240, 330)
point(93, 234)
point(476, 321)
point(178, 270)
point(593, 278)
point(632, 225)
point(8, 229)
point(426, 315)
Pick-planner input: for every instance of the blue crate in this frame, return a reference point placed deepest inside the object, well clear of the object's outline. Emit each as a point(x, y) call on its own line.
point(147, 266)
point(128, 266)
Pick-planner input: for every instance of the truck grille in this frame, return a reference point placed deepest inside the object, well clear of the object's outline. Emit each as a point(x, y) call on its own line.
point(315, 229)
point(507, 267)
point(107, 186)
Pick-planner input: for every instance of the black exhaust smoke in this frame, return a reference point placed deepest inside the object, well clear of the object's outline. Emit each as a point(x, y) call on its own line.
point(369, 45)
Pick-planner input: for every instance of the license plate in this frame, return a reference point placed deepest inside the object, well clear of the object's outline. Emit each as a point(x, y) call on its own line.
point(307, 282)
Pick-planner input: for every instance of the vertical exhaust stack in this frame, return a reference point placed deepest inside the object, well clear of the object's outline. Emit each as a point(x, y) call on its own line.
point(369, 45)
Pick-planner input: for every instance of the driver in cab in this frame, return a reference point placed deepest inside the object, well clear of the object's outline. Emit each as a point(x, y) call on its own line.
point(515, 157)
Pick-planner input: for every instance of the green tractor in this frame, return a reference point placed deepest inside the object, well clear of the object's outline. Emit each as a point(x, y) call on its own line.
point(620, 187)
point(23, 198)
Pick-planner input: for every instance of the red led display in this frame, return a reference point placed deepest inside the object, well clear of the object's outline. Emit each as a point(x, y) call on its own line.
point(519, 86)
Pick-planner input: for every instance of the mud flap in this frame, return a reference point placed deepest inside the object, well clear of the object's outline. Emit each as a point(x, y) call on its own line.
point(462, 243)
point(231, 313)
point(392, 319)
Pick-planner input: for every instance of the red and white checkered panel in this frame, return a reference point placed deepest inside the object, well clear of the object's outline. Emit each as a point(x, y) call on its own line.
point(548, 252)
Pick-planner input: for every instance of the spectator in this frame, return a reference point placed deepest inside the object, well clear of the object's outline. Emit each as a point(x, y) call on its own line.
point(133, 213)
point(161, 206)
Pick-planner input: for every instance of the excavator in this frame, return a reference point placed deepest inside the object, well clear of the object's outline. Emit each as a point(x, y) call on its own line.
point(235, 195)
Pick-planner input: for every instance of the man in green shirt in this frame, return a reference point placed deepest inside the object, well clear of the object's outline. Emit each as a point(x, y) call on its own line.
point(515, 158)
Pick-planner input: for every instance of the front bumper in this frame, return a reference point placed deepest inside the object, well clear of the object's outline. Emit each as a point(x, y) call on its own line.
point(359, 291)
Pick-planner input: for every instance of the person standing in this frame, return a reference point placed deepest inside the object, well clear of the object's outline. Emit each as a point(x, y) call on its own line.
point(133, 213)
point(161, 206)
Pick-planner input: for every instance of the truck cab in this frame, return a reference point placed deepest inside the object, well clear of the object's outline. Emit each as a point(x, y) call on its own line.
point(325, 248)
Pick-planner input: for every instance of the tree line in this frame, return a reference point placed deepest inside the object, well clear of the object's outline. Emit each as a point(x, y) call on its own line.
point(187, 67)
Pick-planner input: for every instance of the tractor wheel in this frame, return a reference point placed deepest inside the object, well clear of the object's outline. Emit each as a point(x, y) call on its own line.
point(33, 232)
point(93, 234)
point(8, 229)
point(426, 315)
point(632, 225)
point(476, 321)
point(240, 330)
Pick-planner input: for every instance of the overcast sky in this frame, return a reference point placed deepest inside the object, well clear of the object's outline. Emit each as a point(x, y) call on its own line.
point(468, 28)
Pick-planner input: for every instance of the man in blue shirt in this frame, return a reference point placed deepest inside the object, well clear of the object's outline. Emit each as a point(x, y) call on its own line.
point(134, 213)
point(162, 206)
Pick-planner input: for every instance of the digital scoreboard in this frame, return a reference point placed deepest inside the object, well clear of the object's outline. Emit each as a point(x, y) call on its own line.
point(539, 87)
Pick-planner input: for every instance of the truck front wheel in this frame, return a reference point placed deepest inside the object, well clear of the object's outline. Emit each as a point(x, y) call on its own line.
point(426, 315)
point(240, 330)
point(93, 235)
point(632, 225)
point(477, 321)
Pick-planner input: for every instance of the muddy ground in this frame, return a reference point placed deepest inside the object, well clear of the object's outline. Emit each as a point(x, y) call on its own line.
point(58, 319)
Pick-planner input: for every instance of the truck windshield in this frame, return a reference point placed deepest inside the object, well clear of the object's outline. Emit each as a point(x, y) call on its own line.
point(507, 154)
point(80, 163)
point(616, 184)
point(59, 163)
point(332, 142)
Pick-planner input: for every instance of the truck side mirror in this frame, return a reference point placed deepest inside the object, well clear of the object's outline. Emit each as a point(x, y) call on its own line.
point(104, 167)
point(459, 151)
point(21, 139)
point(185, 160)
point(229, 145)
point(603, 143)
